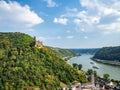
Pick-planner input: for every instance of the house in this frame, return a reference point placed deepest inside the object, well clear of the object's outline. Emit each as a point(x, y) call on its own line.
point(105, 84)
point(86, 86)
point(76, 87)
point(117, 87)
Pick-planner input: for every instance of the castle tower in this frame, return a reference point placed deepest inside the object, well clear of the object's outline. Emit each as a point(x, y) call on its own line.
point(37, 43)
point(35, 38)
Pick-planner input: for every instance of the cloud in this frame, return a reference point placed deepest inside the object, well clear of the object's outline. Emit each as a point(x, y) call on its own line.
point(77, 21)
point(98, 15)
point(118, 19)
point(85, 37)
point(110, 26)
point(61, 20)
point(51, 3)
point(97, 7)
point(116, 5)
point(87, 3)
point(95, 16)
point(88, 20)
point(12, 14)
point(82, 29)
point(70, 12)
point(84, 17)
point(70, 37)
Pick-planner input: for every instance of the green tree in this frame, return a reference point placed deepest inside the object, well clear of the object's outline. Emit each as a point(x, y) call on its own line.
point(106, 76)
point(95, 73)
point(80, 66)
point(75, 65)
point(90, 71)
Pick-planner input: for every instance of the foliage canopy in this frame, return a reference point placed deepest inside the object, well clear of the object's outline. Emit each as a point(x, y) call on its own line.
point(22, 65)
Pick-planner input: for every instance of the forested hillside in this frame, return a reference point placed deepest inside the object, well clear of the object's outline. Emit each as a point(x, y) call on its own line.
point(14, 40)
point(22, 65)
point(85, 51)
point(63, 52)
point(108, 53)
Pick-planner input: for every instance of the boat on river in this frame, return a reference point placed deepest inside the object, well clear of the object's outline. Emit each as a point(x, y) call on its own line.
point(92, 63)
point(96, 67)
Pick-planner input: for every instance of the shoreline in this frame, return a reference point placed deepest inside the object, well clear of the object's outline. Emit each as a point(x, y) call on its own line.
point(114, 63)
point(68, 59)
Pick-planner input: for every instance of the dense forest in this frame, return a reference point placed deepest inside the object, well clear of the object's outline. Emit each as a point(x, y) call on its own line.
point(108, 53)
point(85, 51)
point(24, 66)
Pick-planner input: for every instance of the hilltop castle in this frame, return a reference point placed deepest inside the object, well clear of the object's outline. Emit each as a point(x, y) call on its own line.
point(38, 43)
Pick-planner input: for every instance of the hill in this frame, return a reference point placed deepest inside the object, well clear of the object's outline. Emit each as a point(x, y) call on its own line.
point(8, 40)
point(108, 53)
point(85, 51)
point(24, 66)
point(63, 53)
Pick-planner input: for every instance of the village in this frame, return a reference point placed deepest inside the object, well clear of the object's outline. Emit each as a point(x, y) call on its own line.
point(95, 83)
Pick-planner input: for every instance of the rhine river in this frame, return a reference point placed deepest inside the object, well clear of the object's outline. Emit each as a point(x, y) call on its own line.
point(113, 71)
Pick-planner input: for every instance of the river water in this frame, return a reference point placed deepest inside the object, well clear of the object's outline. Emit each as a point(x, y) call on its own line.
point(113, 71)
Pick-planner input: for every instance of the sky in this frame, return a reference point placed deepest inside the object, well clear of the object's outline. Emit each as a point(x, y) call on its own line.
point(64, 23)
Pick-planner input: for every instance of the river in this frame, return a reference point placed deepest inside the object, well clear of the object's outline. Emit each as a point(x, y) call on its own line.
point(113, 71)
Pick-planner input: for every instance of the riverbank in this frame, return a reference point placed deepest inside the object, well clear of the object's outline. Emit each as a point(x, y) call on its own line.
point(67, 58)
point(115, 63)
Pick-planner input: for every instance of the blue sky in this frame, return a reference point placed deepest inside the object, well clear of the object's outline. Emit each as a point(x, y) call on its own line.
point(64, 23)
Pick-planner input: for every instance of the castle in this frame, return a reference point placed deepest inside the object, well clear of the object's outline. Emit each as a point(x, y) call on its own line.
point(38, 43)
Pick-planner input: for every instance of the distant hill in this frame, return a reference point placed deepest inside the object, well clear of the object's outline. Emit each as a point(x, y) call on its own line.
point(85, 51)
point(108, 53)
point(63, 53)
point(25, 66)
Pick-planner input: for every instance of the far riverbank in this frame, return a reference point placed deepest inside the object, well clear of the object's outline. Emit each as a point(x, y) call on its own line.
point(115, 63)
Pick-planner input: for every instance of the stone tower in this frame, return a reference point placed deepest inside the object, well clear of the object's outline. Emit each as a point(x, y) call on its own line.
point(92, 78)
point(93, 81)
